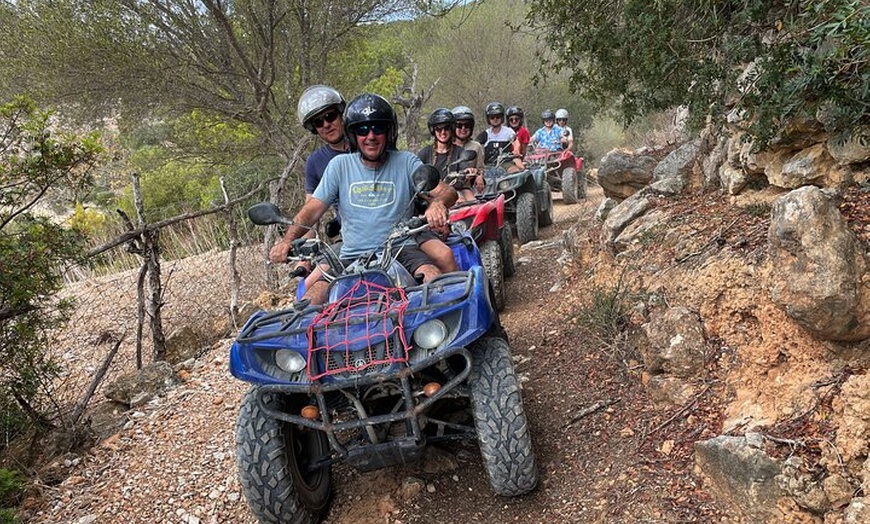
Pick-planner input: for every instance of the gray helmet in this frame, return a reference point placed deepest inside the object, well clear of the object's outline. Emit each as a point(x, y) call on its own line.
point(440, 116)
point(369, 108)
point(561, 113)
point(314, 100)
point(464, 114)
point(494, 108)
point(547, 114)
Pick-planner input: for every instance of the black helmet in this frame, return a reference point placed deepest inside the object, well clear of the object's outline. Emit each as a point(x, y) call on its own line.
point(516, 111)
point(441, 116)
point(314, 100)
point(370, 108)
point(493, 109)
point(548, 115)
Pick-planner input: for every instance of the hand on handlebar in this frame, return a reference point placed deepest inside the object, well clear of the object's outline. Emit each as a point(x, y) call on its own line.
point(436, 214)
point(302, 269)
point(278, 253)
point(479, 184)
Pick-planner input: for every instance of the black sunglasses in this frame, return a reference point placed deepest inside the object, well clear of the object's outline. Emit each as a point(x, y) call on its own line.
point(441, 129)
point(329, 116)
point(365, 129)
point(463, 125)
point(496, 116)
point(561, 120)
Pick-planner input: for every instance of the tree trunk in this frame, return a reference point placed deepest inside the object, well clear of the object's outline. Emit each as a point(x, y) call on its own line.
point(233, 233)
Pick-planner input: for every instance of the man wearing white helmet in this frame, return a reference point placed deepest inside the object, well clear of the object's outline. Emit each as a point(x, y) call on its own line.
point(319, 110)
point(567, 132)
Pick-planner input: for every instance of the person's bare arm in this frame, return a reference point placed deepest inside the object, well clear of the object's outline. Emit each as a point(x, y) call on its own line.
point(307, 216)
point(440, 200)
point(518, 153)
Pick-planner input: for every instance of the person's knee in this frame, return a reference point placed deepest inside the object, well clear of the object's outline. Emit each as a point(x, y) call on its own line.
point(427, 272)
point(441, 255)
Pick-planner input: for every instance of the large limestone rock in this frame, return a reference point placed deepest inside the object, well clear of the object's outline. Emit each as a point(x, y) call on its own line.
point(674, 173)
point(740, 474)
point(852, 148)
point(182, 344)
point(674, 343)
point(623, 173)
point(137, 388)
point(622, 215)
point(819, 271)
point(808, 166)
point(640, 230)
point(715, 160)
point(854, 412)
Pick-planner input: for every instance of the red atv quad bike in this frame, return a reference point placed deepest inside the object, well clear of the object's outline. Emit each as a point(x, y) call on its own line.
point(564, 172)
point(484, 220)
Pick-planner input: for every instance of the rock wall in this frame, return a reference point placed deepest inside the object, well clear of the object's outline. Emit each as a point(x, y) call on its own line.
point(777, 279)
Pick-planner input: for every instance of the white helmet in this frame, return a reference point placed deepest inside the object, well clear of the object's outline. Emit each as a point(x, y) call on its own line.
point(314, 100)
point(561, 113)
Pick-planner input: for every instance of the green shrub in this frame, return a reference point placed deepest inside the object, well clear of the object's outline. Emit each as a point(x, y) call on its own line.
point(12, 487)
point(605, 321)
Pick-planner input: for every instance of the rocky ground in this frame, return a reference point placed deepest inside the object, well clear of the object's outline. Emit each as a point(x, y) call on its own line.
point(606, 451)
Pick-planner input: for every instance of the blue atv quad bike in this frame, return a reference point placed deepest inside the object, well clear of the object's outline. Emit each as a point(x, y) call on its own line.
point(386, 367)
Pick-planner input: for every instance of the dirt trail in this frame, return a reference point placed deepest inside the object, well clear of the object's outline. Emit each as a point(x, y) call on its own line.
point(174, 461)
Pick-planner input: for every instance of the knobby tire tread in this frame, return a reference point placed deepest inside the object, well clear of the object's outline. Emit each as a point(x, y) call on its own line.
point(502, 427)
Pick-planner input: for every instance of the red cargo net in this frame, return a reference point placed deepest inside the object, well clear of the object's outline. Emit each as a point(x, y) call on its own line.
point(360, 330)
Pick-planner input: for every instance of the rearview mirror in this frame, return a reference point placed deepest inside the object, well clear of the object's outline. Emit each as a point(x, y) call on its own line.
point(425, 178)
point(267, 213)
point(467, 155)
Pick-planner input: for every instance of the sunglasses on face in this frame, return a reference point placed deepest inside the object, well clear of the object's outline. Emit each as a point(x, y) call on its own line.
point(493, 117)
point(365, 129)
point(441, 129)
point(514, 119)
point(561, 120)
point(463, 125)
point(329, 117)
point(548, 120)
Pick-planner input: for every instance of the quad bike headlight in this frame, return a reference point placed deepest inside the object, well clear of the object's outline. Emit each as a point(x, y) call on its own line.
point(430, 334)
point(505, 184)
point(289, 360)
point(460, 226)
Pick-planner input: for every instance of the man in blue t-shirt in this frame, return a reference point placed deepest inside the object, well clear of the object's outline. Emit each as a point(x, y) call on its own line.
point(548, 137)
point(372, 188)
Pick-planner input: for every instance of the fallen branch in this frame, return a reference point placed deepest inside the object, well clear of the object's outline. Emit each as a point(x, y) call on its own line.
point(594, 408)
point(679, 413)
point(98, 377)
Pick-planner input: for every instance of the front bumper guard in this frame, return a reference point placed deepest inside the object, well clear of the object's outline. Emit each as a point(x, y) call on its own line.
point(410, 414)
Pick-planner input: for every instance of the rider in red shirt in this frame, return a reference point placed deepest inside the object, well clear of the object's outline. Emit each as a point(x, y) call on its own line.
point(516, 121)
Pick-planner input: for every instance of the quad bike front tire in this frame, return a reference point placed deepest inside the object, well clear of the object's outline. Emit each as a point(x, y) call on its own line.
point(507, 250)
point(272, 456)
point(582, 184)
point(569, 186)
point(527, 218)
point(500, 420)
point(490, 256)
point(546, 216)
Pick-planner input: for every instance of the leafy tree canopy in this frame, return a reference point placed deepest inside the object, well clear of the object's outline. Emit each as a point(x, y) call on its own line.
point(37, 162)
point(650, 55)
